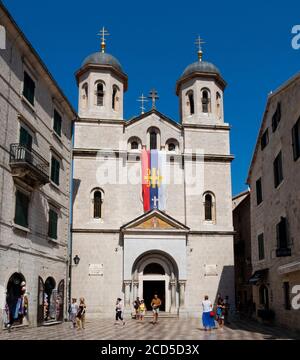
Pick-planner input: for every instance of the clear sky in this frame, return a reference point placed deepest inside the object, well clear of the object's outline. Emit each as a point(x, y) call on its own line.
point(249, 41)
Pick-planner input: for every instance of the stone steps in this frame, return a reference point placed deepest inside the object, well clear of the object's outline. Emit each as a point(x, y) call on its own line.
point(162, 315)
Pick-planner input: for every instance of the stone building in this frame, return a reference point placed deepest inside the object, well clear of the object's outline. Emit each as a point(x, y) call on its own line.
point(275, 212)
point(242, 251)
point(182, 248)
point(35, 170)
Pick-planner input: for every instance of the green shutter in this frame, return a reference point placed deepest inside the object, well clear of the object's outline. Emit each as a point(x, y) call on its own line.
point(25, 138)
point(28, 89)
point(52, 228)
point(21, 211)
point(55, 167)
point(57, 123)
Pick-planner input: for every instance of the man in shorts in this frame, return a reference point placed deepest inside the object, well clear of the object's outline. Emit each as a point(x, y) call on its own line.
point(155, 303)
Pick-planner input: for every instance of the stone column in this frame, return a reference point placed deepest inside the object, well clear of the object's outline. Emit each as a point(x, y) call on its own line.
point(182, 293)
point(173, 295)
point(135, 292)
point(127, 284)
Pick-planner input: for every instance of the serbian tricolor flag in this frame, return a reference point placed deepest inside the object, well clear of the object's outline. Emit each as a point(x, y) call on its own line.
point(153, 179)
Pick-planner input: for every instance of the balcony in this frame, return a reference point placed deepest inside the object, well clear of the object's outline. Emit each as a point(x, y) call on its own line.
point(27, 165)
point(281, 252)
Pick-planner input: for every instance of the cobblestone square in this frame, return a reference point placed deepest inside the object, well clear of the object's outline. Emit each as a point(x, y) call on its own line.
point(166, 329)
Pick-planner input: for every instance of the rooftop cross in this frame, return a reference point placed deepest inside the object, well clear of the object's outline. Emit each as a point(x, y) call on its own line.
point(142, 99)
point(199, 43)
point(103, 32)
point(153, 96)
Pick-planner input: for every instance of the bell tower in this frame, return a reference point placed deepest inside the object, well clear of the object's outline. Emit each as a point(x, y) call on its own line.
point(101, 85)
point(200, 89)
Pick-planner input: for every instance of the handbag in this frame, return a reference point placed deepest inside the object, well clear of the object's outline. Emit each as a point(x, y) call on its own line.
point(212, 314)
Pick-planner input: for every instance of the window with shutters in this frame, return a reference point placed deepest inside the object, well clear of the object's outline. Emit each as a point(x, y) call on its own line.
point(264, 141)
point(276, 117)
point(21, 209)
point(209, 207)
point(99, 92)
point(259, 196)
point(283, 241)
point(28, 88)
point(52, 225)
point(57, 121)
point(55, 169)
point(296, 140)
point(278, 172)
point(25, 138)
point(261, 247)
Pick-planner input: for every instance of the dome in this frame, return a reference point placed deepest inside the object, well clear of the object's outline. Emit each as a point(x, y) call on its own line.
point(201, 66)
point(100, 58)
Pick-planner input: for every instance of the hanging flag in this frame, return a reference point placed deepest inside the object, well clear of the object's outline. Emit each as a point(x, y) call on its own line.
point(162, 164)
point(146, 178)
point(154, 179)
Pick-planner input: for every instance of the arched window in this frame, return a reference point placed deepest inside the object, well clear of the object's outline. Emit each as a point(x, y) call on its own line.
point(191, 103)
point(153, 140)
point(209, 207)
point(97, 204)
point(205, 101)
point(85, 95)
point(154, 268)
point(99, 94)
point(218, 102)
point(115, 98)
point(134, 145)
point(171, 147)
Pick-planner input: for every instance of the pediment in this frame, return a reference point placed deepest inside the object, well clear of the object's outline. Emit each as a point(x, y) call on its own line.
point(155, 220)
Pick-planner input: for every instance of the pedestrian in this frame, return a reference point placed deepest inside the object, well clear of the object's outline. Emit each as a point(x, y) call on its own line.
point(80, 316)
point(73, 312)
point(136, 305)
point(119, 311)
point(142, 309)
point(207, 315)
point(220, 313)
point(226, 310)
point(155, 304)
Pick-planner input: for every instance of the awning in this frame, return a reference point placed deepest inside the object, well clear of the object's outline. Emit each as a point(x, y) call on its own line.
point(288, 268)
point(258, 275)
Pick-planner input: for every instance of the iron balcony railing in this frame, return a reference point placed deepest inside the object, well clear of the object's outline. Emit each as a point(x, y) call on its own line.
point(21, 154)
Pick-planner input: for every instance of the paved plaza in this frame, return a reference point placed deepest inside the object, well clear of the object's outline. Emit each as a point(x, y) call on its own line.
point(166, 329)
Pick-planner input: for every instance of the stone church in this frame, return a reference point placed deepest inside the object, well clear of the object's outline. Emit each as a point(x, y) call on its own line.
point(182, 250)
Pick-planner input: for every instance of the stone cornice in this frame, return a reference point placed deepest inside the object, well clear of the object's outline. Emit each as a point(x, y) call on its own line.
point(94, 152)
point(207, 127)
point(100, 121)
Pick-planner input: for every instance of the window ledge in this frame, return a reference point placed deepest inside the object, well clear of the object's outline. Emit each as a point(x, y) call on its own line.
point(52, 240)
point(56, 136)
point(23, 98)
point(54, 185)
point(20, 227)
point(280, 185)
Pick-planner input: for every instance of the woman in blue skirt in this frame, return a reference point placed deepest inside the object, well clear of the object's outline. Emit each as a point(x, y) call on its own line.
point(207, 319)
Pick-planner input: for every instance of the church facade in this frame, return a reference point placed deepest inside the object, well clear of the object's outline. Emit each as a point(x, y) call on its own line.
point(179, 244)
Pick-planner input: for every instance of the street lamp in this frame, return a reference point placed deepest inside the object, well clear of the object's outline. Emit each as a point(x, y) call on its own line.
point(76, 259)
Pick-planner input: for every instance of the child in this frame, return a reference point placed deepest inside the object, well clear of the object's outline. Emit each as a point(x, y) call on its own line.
point(73, 312)
point(142, 309)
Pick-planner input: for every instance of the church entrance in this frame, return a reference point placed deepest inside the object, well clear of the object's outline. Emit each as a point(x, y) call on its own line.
point(152, 287)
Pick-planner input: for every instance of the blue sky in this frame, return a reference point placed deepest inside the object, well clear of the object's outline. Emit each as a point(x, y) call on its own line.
point(250, 42)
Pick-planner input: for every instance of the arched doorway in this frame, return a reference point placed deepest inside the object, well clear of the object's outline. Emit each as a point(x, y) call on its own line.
point(50, 300)
point(153, 273)
point(16, 300)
